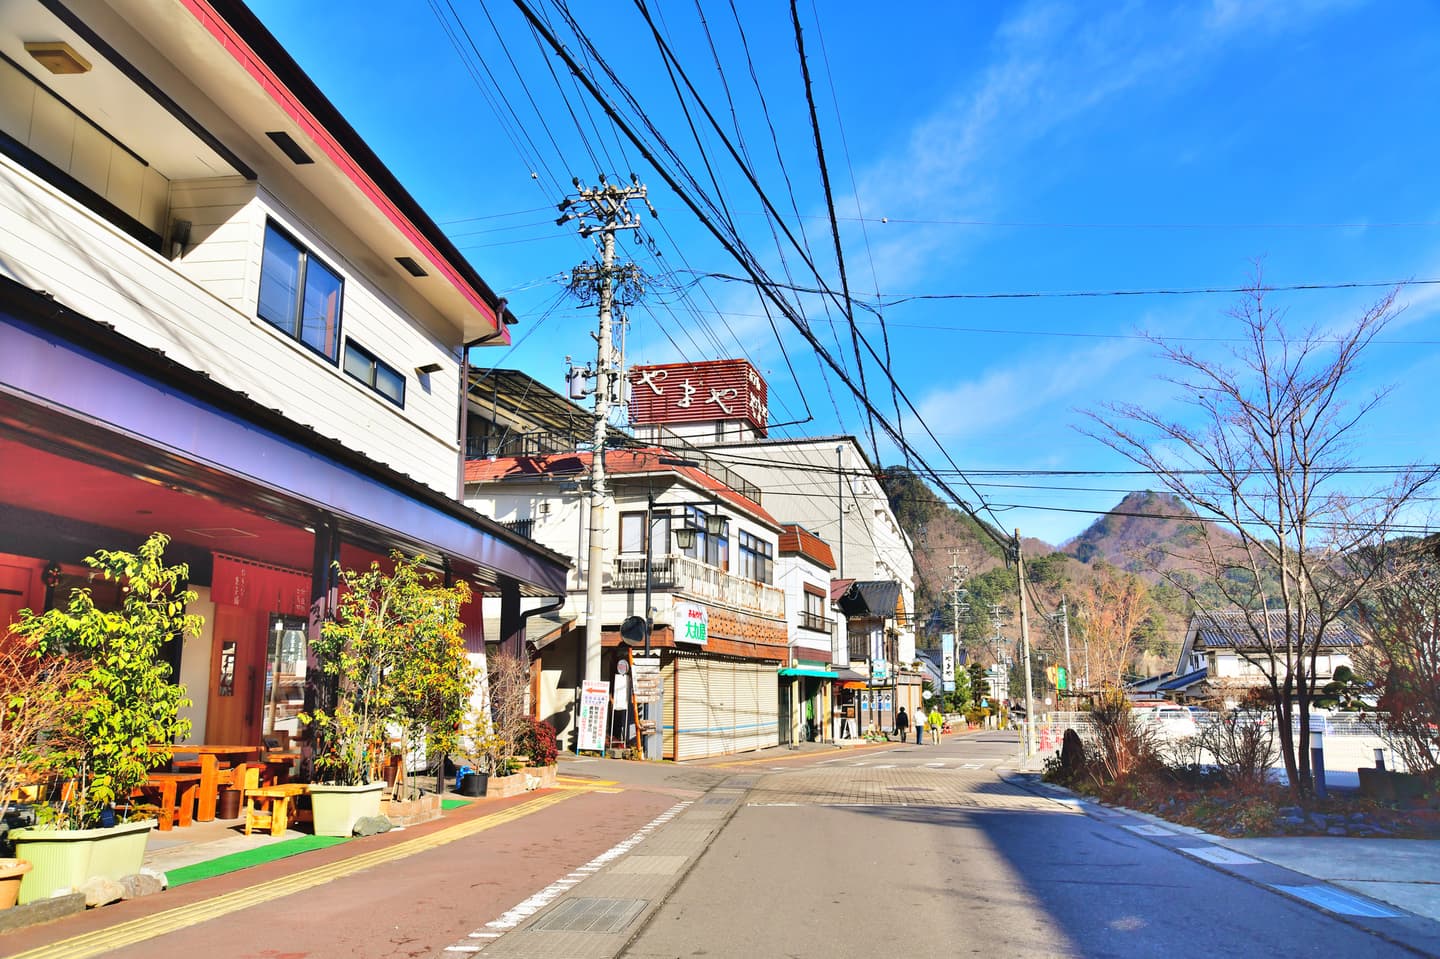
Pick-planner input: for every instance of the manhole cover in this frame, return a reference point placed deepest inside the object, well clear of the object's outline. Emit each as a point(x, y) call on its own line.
point(591, 915)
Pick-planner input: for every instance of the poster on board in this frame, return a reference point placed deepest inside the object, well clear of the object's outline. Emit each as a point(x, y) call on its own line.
point(594, 709)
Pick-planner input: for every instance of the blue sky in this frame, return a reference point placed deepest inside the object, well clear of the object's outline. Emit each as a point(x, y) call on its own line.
point(973, 148)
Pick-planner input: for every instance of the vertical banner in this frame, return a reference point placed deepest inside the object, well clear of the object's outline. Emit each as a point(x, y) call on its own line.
point(594, 710)
point(947, 662)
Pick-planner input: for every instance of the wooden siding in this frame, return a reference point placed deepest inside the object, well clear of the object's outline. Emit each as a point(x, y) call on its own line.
point(50, 242)
point(35, 118)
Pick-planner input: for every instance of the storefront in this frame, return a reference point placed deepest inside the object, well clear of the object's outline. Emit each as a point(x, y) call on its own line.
point(104, 442)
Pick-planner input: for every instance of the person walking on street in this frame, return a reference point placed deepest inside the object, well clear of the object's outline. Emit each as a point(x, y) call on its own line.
point(936, 721)
point(920, 725)
point(902, 722)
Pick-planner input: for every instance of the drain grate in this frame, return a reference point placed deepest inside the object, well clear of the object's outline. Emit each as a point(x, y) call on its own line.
point(719, 800)
point(591, 915)
point(912, 789)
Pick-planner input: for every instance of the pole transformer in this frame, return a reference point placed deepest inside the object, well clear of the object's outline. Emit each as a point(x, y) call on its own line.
point(603, 210)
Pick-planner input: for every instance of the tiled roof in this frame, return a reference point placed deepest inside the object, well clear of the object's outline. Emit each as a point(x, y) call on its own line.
point(1231, 629)
point(797, 539)
point(617, 463)
point(1184, 682)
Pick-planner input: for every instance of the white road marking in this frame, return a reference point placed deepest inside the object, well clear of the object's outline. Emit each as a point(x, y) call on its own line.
point(1338, 902)
point(1219, 855)
point(886, 766)
point(524, 910)
point(973, 766)
point(1148, 830)
point(936, 765)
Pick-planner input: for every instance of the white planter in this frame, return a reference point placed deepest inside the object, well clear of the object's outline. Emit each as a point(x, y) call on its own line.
point(66, 858)
point(337, 808)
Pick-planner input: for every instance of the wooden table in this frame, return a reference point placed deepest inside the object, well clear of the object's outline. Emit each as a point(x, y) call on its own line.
point(177, 793)
point(278, 764)
point(212, 774)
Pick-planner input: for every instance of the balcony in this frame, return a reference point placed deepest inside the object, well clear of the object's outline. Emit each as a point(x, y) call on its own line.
point(817, 622)
point(702, 581)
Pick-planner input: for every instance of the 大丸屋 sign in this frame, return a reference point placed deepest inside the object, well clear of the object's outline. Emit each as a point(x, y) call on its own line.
point(692, 623)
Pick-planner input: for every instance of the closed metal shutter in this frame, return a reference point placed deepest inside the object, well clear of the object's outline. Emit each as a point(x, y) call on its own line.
point(725, 707)
point(667, 709)
point(696, 695)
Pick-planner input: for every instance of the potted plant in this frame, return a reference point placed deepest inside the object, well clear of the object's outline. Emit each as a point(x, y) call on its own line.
point(383, 620)
point(433, 683)
point(35, 699)
point(120, 703)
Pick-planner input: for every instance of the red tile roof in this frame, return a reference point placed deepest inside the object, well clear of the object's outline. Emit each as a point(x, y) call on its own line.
point(796, 539)
point(617, 463)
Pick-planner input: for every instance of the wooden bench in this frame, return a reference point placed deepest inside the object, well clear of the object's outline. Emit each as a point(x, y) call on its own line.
point(177, 793)
point(268, 807)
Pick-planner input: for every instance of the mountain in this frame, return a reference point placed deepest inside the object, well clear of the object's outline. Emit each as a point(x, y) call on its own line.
point(1144, 532)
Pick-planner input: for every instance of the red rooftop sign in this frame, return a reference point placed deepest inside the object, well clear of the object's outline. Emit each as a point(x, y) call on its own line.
point(698, 393)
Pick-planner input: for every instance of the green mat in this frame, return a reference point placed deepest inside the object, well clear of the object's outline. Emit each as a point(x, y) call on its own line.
point(453, 803)
point(250, 857)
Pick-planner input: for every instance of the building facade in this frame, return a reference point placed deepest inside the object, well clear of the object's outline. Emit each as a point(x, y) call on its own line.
point(223, 319)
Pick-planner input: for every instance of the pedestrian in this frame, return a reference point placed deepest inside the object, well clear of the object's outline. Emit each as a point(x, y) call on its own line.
point(936, 721)
point(920, 725)
point(902, 722)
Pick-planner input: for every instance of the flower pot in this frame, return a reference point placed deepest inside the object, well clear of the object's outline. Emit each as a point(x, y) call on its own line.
point(336, 808)
point(11, 872)
point(474, 784)
point(66, 858)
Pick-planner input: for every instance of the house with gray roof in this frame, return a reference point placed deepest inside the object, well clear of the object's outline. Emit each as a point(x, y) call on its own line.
point(1226, 651)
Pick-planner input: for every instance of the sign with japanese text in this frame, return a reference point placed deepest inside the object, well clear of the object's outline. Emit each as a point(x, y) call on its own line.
point(699, 393)
point(648, 684)
point(594, 708)
point(947, 662)
point(692, 623)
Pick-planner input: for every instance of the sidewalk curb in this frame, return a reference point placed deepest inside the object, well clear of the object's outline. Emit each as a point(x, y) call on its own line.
point(1424, 932)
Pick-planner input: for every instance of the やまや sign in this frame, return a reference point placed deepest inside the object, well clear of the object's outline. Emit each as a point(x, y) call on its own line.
point(692, 624)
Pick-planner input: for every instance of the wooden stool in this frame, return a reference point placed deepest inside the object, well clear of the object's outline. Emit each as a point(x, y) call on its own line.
point(273, 810)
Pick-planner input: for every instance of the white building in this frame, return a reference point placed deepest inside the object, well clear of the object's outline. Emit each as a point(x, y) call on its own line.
point(718, 614)
point(221, 317)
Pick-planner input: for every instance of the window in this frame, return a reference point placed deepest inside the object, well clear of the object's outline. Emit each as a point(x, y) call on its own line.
point(756, 558)
point(376, 374)
point(299, 295)
point(813, 615)
point(632, 532)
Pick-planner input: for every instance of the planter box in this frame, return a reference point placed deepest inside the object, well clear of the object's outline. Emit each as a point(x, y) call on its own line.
point(531, 777)
point(66, 858)
point(411, 812)
point(336, 808)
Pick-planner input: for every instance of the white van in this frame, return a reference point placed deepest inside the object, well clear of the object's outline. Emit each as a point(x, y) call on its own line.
point(1172, 720)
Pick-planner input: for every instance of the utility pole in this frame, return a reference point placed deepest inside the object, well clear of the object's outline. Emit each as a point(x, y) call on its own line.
point(1065, 627)
point(604, 210)
point(1025, 641)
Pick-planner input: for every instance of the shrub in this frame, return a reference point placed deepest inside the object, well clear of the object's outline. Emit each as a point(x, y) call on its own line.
point(537, 740)
point(1121, 745)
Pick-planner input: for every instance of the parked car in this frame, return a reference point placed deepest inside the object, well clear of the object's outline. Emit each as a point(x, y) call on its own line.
point(1172, 721)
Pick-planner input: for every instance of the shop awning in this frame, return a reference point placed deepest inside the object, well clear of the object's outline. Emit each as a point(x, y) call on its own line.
point(813, 671)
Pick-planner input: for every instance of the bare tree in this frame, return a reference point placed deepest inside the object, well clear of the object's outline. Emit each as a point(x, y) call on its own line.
point(1265, 454)
point(1111, 609)
point(1403, 617)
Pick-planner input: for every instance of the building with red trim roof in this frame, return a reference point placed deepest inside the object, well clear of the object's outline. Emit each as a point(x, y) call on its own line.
point(706, 554)
point(222, 318)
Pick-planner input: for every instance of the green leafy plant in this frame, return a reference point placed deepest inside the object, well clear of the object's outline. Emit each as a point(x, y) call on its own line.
point(396, 658)
point(122, 699)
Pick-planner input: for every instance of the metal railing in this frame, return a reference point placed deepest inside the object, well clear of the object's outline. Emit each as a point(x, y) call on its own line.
point(701, 580)
point(817, 622)
point(524, 527)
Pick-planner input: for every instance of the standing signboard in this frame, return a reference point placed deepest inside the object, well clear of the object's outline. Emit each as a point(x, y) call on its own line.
point(947, 662)
point(649, 701)
point(594, 711)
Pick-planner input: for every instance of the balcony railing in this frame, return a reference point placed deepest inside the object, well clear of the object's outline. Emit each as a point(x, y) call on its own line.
point(525, 527)
point(701, 580)
point(817, 622)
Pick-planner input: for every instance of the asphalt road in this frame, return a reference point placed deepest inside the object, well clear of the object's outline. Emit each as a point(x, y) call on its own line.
point(907, 852)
